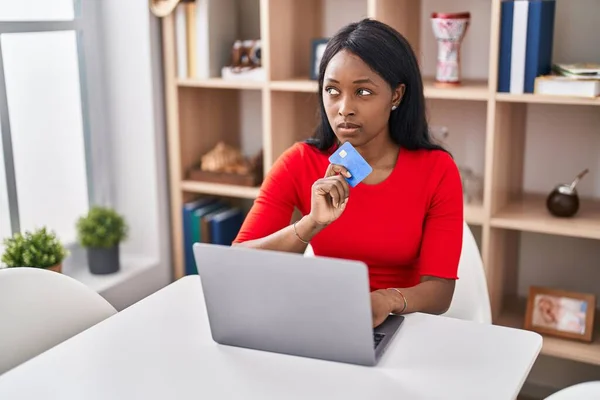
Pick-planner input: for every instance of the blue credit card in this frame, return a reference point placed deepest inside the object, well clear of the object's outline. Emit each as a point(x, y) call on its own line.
point(347, 156)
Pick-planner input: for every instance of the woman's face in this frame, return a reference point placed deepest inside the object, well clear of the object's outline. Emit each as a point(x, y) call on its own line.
point(357, 100)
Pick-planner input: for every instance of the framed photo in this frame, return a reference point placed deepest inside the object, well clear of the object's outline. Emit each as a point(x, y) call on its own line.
point(317, 50)
point(560, 313)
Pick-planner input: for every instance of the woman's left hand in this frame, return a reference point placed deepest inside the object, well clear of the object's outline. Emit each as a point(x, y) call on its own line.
point(381, 306)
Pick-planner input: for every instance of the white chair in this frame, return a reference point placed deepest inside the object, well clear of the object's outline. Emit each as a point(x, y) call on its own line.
point(41, 308)
point(471, 298)
point(580, 391)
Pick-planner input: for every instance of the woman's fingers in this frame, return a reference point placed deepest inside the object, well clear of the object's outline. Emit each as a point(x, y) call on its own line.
point(334, 169)
point(344, 187)
point(335, 188)
point(335, 193)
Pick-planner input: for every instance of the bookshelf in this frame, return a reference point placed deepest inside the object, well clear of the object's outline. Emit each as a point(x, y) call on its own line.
point(541, 99)
point(202, 111)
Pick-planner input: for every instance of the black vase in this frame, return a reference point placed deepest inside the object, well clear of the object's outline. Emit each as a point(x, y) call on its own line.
point(103, 261)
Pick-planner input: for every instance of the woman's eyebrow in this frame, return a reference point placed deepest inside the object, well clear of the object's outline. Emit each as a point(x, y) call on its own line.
point(363, 80)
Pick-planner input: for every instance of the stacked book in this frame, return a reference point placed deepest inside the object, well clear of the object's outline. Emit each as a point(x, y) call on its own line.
point(577, 80)
point(208, 220)
point(526, 38)
point(205, 31)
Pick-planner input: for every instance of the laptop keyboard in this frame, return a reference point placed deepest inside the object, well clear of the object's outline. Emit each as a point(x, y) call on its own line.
point(377, 338)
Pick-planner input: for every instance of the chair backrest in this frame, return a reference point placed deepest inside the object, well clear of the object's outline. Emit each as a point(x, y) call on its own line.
point(580, 391)
point(471, 298)
point(41, 308)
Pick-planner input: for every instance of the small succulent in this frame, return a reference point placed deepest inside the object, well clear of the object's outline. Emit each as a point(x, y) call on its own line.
point(102, 227)
point(39, 249)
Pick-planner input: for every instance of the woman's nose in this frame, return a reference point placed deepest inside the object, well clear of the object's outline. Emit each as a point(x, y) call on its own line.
point(346, 108)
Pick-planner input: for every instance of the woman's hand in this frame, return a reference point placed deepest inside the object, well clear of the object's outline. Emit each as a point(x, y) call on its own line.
point(329, 195)
point(381, 306)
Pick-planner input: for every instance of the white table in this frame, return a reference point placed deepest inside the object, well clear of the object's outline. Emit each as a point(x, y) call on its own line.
point(161, 348)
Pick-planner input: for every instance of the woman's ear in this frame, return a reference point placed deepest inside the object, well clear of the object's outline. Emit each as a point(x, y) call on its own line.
point(397, 94)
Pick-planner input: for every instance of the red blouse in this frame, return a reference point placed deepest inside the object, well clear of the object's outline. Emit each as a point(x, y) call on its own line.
point(407, 226)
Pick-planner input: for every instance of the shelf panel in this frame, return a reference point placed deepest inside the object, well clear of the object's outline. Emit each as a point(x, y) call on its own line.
point(295, 85)
point(219, 189)
point(513, 316)
point(530, 214)
point(474, 214)
point(546, 99)
point(468, 90)
point(219, 83)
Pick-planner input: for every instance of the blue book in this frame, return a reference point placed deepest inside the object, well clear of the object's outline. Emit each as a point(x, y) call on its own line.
point(196, 224)
point(205, 223)
point(187, 214)
point(197, 216)
point(505, 49)
point(540, 35)
point(225, 226)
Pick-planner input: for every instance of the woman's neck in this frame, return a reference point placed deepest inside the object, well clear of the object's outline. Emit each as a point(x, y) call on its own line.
point(381, 152)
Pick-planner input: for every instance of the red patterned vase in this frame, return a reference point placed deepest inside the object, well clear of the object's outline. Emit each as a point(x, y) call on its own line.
point(449, 31)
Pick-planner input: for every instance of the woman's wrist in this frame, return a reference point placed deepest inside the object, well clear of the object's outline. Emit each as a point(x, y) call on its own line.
point(389, 300)
point(307, 228)
point(398, 300)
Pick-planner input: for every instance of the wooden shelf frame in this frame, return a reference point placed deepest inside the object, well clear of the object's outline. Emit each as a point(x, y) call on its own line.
point(219, 189)
point(289, 102)
point(546, 99)
point(219, 83)
point(528, 213)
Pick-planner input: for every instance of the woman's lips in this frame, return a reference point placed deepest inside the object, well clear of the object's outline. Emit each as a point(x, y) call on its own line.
point(348, 128)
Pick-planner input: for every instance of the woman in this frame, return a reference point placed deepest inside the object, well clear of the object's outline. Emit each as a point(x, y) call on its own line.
point(405, 220)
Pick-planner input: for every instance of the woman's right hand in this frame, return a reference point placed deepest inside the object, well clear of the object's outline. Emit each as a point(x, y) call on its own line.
point(330, 195)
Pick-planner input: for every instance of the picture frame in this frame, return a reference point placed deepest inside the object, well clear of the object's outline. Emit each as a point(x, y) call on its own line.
point(317, 49)
point(560, 313)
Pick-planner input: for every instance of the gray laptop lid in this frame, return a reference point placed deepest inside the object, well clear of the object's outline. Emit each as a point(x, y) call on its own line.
point(287, 303)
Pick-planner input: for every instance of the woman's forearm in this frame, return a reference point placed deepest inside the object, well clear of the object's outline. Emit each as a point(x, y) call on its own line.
point(286, 239)
point(432, 296)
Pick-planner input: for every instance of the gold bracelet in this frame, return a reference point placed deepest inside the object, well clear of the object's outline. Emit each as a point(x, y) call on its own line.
point(403, 298)
point(298, 236)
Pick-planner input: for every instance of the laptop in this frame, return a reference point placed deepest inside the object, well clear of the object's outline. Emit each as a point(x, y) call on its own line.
point(286, 303)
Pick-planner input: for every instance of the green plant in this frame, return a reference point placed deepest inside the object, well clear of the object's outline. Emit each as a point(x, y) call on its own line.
point(40, 248)
point(101, 227)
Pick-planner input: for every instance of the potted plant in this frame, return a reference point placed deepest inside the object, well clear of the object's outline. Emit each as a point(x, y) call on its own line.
point(38, 249)
point(100, 232)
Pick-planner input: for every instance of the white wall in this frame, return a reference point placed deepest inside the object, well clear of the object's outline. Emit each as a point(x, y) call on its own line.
point(251, 122)
point(476, 44)
point(337, 13)
point(250, 100)
point(133, 65)
point(250, 21)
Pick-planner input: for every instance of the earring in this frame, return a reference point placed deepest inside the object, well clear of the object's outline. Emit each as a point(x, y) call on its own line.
point(394, 107)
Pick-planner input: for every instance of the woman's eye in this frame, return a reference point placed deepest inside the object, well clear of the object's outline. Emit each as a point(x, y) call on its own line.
point(331, 90)
point(364, 92)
